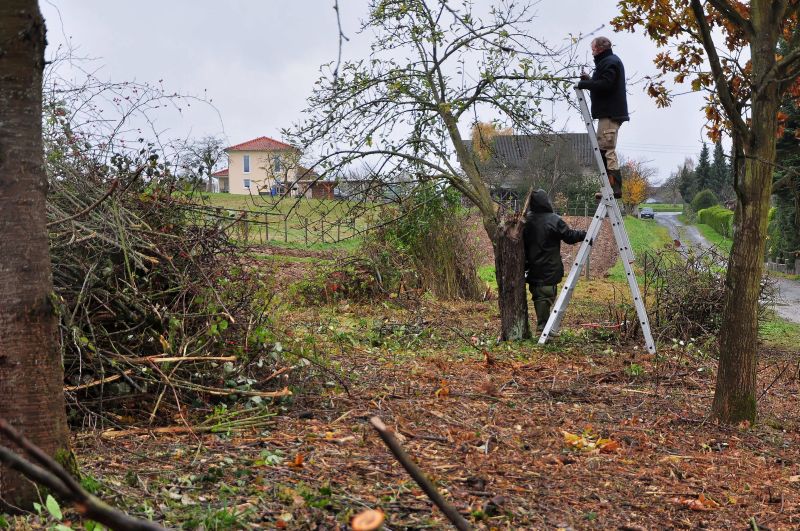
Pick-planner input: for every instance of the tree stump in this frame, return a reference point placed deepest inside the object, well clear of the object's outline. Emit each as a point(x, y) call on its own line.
point(509, 262)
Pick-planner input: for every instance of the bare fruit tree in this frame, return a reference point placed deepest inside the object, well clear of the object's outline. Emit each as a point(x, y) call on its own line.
point(436, 66)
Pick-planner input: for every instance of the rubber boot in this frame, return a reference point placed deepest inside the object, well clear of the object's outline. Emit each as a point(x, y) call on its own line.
point(615, 178)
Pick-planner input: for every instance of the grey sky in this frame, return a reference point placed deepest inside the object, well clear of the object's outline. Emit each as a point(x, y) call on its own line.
point(258, 59)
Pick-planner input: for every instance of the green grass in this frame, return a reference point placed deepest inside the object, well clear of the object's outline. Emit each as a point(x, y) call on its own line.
point(780, 333)
point(303, 223)
point(487, 274)
point(645, 235)
point(715, 237)
point(663, 207)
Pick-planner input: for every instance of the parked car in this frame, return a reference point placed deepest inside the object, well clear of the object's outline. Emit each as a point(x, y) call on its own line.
point(646, 212)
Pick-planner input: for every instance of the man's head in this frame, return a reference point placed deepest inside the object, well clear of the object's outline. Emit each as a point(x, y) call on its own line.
point(600, 44)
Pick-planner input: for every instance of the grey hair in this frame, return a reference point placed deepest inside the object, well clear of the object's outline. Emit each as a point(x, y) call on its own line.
point(602, 42)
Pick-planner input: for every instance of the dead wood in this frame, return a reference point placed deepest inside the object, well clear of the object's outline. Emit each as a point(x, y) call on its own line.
point(418, 475)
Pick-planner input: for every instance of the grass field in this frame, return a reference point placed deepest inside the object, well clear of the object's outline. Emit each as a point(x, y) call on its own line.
point(664, 207)
point(645, 235)
point(291, 222)
point(714, 237)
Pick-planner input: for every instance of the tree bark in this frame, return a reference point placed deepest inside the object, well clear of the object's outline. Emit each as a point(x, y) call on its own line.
point(735, 393)
point(509, 259)
point(31, 372)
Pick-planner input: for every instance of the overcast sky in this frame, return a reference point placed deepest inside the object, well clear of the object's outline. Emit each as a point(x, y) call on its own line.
point(258, 59)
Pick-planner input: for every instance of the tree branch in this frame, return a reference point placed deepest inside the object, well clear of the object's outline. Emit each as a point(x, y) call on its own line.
point(725, 96)
point(733, 16)
point(419, 476)
point(52, 475)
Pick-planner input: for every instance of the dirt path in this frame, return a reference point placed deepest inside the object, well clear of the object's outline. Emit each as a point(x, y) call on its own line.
point(788, 301)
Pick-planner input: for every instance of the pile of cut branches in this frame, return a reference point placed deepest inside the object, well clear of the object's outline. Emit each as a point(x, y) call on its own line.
point(155, 309)
point(685, 292)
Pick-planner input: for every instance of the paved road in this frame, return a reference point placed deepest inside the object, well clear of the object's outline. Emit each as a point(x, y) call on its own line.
point(788, 303)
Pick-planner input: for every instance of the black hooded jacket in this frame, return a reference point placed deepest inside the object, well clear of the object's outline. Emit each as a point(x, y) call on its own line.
point(607, 88)
point(544, 231)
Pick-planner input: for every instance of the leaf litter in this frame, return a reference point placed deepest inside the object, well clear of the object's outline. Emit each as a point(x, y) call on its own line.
point(515, 436)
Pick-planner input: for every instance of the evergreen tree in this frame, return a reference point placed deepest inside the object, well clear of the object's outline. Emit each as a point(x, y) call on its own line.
point(784, 227)
point(703, 170)
point(719, 171)
point(687, 181)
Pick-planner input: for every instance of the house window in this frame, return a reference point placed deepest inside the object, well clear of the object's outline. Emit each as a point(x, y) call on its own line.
point(247, 166)
point(276, 163)
point(247, 183)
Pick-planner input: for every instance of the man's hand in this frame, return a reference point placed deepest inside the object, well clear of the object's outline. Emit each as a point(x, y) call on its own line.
point(585, 76)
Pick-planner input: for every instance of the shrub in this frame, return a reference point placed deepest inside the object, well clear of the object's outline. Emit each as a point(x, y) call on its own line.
point(685, 293)
point(704, 199)
point(718, 218)
point(427, 243)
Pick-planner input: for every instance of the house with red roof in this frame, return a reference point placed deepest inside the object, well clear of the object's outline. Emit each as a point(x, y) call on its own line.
point(261, 166)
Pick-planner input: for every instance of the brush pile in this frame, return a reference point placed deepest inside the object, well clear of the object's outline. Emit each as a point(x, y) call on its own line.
point(155, 310)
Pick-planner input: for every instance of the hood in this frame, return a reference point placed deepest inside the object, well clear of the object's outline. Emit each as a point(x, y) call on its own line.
point(540, 203)
point(602, 55)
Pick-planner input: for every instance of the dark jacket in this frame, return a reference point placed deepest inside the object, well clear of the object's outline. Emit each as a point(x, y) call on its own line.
point(607, 88)
point(544, 231)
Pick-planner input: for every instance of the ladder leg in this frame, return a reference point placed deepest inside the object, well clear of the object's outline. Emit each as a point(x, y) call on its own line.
point(554, 322)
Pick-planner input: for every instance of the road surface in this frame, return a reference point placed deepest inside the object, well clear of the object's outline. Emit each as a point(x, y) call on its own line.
point(787, 305)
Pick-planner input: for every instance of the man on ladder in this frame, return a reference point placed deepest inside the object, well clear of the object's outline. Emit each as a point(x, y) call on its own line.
point(609, 106)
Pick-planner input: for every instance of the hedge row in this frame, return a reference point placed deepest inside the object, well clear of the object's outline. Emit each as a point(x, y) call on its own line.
point(718, 218)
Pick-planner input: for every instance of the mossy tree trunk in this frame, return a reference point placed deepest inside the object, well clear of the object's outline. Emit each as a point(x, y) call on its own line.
point(509, 252)
point(31, 372)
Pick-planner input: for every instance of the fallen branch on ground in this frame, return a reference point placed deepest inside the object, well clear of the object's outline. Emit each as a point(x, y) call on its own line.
point(417, 475)
point(47, 472)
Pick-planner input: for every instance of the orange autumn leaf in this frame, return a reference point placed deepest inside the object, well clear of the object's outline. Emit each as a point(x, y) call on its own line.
point(443, 391)
point(608, 446)
point(701, 503)
point(297, 462)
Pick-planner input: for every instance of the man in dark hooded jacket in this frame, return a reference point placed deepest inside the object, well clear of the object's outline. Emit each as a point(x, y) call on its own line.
point(609, 105)
point(544, 231)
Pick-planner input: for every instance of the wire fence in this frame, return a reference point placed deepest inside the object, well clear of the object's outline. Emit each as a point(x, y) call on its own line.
point(260, 227)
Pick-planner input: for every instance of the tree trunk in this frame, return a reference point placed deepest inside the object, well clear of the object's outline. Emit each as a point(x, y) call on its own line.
point(509, 260)
point(31, 372)
point(735, 393)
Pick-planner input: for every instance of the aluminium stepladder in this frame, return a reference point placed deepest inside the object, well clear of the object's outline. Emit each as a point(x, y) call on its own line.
point(607, 207)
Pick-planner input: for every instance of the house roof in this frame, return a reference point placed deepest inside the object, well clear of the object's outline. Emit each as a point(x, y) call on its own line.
point(220, 173)
point(262, 143)
point(516, 150)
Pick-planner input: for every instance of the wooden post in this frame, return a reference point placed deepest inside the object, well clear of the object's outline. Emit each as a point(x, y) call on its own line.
point(305, 226)
point(339, 231)
point(266, 225)
point(322, 228)
point(285, 229)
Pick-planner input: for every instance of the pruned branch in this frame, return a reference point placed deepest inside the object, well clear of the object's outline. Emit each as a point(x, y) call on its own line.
point(47, 472)
point(418, 475)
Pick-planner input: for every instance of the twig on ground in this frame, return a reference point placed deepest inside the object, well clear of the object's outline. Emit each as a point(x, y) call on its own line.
point(417, 475)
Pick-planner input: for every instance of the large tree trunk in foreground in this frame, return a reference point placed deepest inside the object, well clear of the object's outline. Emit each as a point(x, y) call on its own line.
point(735, 394)
point(509, 259)
point(31, 372)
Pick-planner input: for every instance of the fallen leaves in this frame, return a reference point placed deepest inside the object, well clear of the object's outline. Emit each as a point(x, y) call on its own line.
point(588, 441)
point(701, 503)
